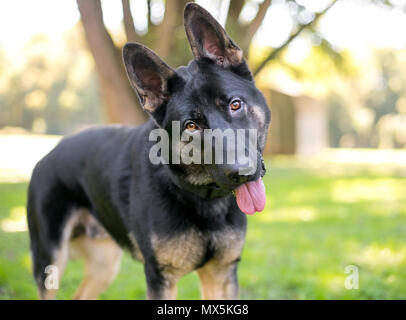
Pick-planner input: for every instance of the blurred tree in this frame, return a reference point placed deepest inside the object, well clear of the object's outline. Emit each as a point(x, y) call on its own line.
point(371, 113)
point(167, 38)
point(50, 93)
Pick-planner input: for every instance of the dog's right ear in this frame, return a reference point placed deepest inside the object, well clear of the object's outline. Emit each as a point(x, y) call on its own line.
point(208, 39)
point(148, 75)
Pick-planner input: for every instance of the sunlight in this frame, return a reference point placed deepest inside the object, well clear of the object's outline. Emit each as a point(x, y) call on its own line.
point(275, 28)
point(16, 221)
point(380, 256)
point(358, 25)
point(304, 214)
point(360, 22)
point(347, 162)
point(333, 281)
point(37, 17)
point(365, 156)
point(351, 191)
point(23, 152)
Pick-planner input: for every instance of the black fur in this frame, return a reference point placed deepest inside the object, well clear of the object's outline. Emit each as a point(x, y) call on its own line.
point(107, 170)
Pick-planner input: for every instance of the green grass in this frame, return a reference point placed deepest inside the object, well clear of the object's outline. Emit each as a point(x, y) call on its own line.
point(317, 221)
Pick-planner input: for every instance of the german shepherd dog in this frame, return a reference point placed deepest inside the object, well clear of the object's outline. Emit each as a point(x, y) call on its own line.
point(98, 193)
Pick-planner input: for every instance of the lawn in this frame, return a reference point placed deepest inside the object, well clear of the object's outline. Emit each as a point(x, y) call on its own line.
point(319, 219)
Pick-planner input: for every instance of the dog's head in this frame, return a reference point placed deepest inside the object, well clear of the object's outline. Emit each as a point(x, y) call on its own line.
point(215, 91)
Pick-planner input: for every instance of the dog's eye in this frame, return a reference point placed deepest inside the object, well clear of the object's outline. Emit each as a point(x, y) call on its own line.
point(235, 104)
point(191, 126)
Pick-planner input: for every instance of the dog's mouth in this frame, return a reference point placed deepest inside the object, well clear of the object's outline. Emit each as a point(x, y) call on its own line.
point(251, 196)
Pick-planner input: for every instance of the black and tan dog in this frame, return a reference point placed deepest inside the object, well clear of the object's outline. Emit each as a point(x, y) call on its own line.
point(97, 192)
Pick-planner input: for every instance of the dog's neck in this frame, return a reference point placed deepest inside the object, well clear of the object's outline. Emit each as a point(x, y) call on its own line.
point(205, 192)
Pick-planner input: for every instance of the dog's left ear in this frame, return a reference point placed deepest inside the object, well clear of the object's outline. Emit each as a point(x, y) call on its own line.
point(208, 39)
point(148, 75)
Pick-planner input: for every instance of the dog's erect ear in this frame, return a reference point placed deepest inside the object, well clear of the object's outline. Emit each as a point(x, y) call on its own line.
point(148, 74)
point(208, 39)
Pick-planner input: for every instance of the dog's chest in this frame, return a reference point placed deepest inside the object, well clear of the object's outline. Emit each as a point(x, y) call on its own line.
point(183, 253)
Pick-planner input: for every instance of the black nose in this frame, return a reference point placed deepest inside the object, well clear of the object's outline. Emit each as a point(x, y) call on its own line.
point(234, 176)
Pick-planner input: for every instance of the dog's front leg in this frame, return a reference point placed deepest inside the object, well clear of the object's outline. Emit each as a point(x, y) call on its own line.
point(218, 281)
point(161, 285)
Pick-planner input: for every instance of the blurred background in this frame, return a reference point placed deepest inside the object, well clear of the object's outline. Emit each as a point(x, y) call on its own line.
point(334, 75)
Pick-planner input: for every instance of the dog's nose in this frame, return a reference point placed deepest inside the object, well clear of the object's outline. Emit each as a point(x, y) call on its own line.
point(234, 176)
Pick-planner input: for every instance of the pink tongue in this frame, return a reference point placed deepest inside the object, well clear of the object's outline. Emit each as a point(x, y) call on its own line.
point(251, 196)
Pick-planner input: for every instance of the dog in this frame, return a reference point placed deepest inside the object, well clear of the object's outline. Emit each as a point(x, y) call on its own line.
point(97, 192)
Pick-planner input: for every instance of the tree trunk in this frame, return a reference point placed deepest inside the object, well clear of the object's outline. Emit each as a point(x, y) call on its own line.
point(120, 101)
point(129, 22)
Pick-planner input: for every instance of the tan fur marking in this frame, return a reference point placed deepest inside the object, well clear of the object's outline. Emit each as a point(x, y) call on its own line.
point(135, 251)
point(216, 277)
point(178, 255)
point(61, 255)
point(229, 244)
point(235, 55)
point(217, 281)
point(259, 115)
point(102, 263)
point(168, 293)
point(101, 253)
point(47, 294)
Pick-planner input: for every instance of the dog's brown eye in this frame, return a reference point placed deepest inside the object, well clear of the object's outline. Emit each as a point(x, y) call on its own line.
point(191, 126)
point(235, 104)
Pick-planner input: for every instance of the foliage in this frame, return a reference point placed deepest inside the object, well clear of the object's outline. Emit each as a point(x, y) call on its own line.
point(371, 112)
point(52, 87)
point(53, 90)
